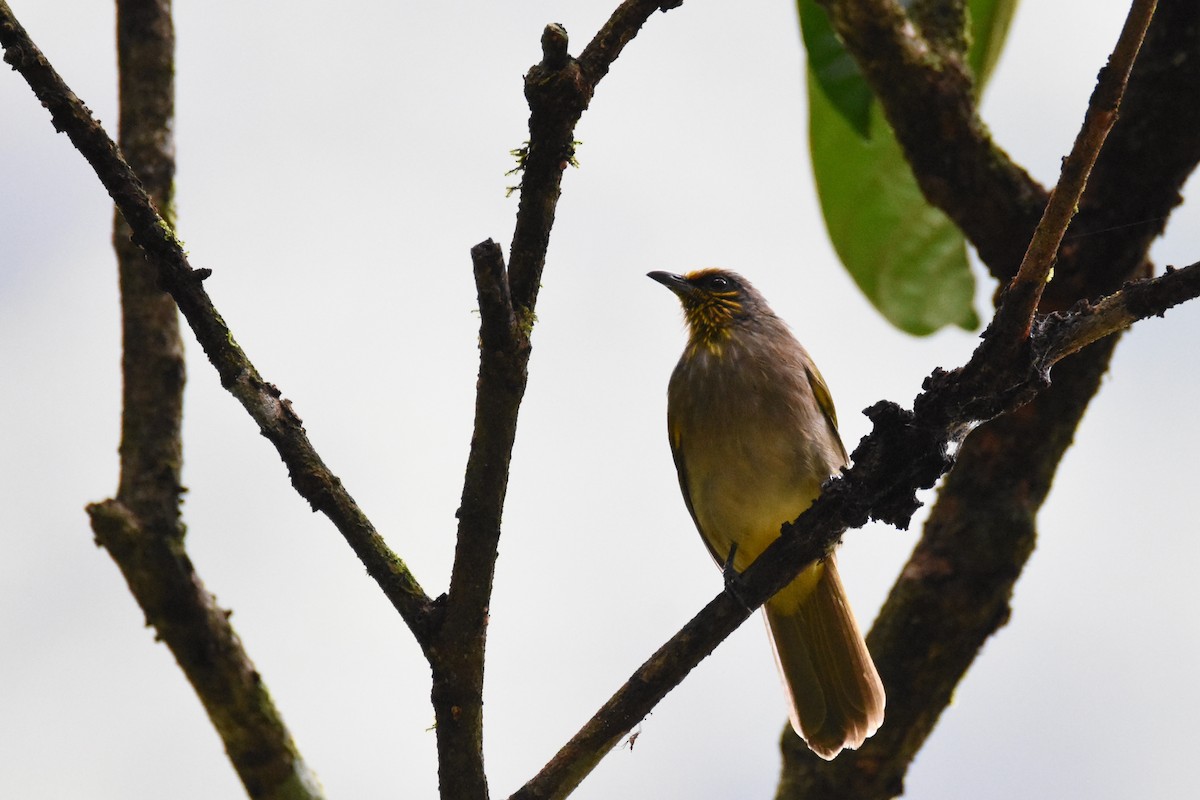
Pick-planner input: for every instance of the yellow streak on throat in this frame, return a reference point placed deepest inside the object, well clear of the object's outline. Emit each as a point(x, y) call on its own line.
point(711, 323)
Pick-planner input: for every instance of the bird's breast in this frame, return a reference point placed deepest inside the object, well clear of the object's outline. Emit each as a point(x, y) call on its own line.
point(752, 446)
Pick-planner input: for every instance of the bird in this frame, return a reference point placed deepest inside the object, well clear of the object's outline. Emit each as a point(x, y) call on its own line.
point(754, 436)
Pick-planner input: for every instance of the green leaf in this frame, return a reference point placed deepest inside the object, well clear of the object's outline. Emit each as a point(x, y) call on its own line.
point(907, 257)
point(989, 22)
point(834, 69)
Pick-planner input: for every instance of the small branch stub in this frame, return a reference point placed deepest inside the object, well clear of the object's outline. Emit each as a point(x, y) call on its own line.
point(554, 47)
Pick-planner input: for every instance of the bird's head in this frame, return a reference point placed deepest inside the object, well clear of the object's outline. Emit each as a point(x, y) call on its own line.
point(714, 302)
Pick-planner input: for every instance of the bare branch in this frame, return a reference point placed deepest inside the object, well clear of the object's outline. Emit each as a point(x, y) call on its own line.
point(456, 650)
point(197, 630)
point(559, 89)
point(498, 318)
point(152, 362)
point(273, 414)
point(1025, 290)
point(661, 673)
point(142, 529)
point(618, 31)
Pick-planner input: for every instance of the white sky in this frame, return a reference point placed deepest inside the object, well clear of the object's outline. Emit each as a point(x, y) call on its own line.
point(335, 167)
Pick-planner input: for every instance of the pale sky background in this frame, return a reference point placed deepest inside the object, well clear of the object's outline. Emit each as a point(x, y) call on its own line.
point(336, 163)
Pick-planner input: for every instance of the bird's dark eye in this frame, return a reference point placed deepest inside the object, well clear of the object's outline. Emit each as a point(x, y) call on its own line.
point(718, 283)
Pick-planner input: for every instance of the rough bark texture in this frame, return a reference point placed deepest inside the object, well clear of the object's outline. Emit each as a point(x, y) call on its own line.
point(152, 364)
point(142, 528)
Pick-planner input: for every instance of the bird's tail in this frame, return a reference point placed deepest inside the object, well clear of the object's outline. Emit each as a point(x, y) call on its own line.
point(835, 693)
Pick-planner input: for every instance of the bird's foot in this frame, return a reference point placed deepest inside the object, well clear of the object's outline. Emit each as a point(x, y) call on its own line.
point(733, 578)
point(727, 571)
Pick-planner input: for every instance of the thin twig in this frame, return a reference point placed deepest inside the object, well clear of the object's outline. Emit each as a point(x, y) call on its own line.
point(1025, 291)
point(559, 90)
point(618, 31)
point(262, 400)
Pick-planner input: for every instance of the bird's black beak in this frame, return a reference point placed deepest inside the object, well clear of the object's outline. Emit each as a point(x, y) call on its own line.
point(676, 283)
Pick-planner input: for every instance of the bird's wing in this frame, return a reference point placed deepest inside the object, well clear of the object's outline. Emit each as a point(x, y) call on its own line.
point(677, 453)
point(825, 403)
